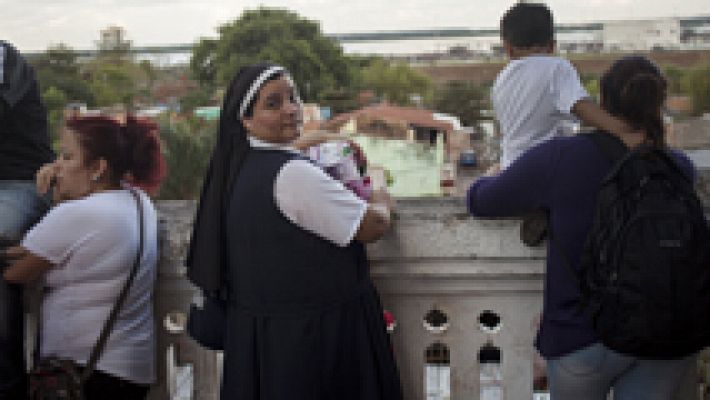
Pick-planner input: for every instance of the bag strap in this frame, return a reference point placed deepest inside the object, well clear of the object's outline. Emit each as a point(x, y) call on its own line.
point(616, 152)
point(113, 316)
point(613, 148)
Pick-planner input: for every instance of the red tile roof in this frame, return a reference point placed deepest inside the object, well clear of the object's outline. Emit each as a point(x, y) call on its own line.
point(395, 114)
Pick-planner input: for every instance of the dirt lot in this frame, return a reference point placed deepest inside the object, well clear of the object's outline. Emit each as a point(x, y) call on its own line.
point(486, 72)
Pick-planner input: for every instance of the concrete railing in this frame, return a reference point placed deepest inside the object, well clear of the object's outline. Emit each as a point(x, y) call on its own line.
point(436, 257)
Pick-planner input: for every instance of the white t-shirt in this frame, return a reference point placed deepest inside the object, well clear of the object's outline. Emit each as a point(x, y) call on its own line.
point(92, 243)
point(533, 98)
point(314, 201)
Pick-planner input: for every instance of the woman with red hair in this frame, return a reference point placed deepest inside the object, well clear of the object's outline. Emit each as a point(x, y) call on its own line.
point(98, 239)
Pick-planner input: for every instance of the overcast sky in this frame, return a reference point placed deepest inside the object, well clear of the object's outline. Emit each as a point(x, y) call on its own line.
point(34, 24)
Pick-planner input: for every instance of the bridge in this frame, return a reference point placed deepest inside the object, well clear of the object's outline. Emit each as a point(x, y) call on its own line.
point(355, 37)
point(686, 24)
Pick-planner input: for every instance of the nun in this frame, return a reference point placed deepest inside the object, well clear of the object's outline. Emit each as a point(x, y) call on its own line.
point(280, 245)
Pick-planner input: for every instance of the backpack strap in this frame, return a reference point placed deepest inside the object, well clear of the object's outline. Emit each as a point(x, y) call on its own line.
point(615, 151)
point(613, 148)
point(666, 155)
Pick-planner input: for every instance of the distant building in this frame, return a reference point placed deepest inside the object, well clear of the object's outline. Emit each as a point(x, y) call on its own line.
point(697, 37)
point(687, 33)
point(690, 134)
point(677, 104)
point(170, 90)
point(642, 35)
point(416, 139)
point(696, 32)
point(209, 113)
point(396, 122)
point(113, 39)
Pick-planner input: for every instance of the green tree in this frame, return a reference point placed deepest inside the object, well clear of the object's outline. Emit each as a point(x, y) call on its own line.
point(696, 83)
point(187, 145)
point(674, 77)
point(148, 69)
point(340, 101)
point(55, 100)
point(104, 81)
point(114, 83)
point(463, 99)
point(61, 81)
point(59, 68)
point(195, 98)
point(591, 84)
point(398, 83)
point(276, 35)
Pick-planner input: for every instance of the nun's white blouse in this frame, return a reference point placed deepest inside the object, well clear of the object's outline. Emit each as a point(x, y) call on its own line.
point(313, 200)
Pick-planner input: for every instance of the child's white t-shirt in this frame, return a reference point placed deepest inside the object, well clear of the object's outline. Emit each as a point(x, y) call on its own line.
point(533, 98)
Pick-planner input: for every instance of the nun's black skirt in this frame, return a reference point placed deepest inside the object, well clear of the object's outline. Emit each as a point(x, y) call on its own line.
point(338, 353)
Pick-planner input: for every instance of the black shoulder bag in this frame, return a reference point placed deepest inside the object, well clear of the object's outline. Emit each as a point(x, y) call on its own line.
point(60, 379)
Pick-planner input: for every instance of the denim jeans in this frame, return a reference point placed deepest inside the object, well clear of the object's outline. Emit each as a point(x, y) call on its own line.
point(20, 207)
point(591, 372)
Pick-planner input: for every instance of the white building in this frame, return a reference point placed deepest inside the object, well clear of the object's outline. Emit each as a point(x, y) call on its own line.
point(579, 41)
point(642, 35)
point(113, 38)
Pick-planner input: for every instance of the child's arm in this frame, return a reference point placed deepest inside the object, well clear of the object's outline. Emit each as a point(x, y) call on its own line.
point(592, 114)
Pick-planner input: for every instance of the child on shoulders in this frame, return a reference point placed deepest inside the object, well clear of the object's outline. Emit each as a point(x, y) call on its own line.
point(538, 95)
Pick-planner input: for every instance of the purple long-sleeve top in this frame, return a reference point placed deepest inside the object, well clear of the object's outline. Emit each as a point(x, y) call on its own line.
point(563, 177)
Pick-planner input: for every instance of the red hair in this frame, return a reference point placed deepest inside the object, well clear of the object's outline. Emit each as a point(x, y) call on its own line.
point(132, 149)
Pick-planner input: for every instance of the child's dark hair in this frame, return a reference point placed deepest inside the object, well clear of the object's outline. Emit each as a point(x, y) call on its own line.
point(527, 25)
point(131, 149)
point(634, 90)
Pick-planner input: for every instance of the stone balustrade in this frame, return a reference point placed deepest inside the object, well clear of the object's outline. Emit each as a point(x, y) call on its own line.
point(436, 258)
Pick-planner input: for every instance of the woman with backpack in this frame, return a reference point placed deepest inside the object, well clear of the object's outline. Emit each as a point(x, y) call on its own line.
point(589, 345)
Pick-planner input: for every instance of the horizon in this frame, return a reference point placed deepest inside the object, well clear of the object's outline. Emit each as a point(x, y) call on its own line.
point(38, 24)
point(424, 29)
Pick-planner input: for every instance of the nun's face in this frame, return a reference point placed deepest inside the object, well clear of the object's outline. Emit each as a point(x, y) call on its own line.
point(277, 113)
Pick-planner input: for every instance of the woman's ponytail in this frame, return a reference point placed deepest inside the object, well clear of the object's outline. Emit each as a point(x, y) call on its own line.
point(142, 156)
point(641, 100)
point(131, 148)
point(635, 90)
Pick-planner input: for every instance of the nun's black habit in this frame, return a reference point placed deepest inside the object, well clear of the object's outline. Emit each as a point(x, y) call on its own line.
point(304, 321)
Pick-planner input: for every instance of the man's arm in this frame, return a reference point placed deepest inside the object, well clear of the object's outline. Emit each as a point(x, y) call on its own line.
point(520, 188)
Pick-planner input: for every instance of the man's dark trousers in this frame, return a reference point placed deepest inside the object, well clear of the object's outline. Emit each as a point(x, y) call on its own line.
point(12, 336)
